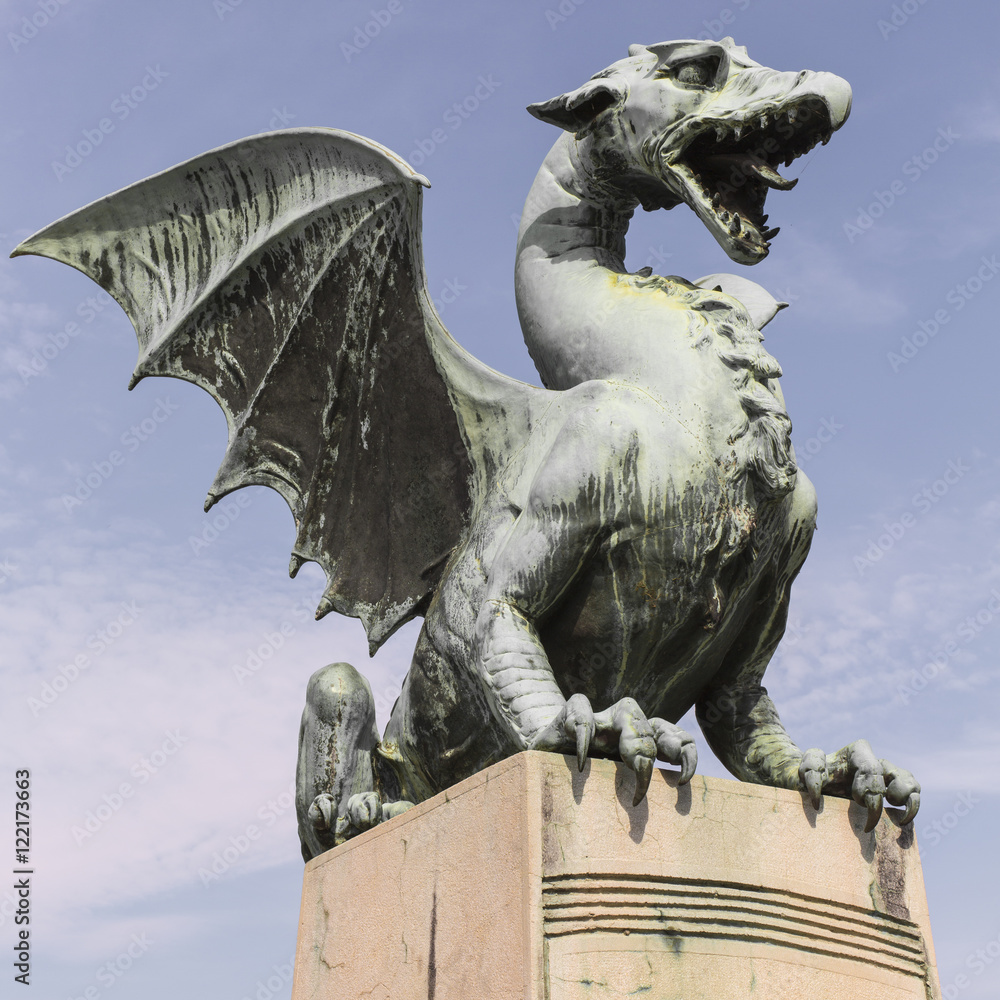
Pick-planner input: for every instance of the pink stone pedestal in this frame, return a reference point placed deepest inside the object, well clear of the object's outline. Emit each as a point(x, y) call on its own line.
point(531, 880)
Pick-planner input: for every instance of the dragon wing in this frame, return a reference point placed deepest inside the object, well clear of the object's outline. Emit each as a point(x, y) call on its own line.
point(284, 275)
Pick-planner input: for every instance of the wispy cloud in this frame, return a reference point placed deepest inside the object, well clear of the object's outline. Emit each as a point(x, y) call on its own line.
point(150, 758)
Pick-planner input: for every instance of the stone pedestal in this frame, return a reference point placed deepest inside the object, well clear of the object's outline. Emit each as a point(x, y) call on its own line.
point(531, 880)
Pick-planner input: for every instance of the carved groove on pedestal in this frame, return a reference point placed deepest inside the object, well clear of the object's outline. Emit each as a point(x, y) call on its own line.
point(679, 908)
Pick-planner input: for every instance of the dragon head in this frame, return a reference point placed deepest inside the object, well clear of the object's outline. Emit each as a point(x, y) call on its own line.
point(702, 123)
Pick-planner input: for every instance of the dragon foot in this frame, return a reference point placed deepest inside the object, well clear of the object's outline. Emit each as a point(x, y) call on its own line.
point(364, 810)
point(855, 772)
point(623, 731)
point(341, 782)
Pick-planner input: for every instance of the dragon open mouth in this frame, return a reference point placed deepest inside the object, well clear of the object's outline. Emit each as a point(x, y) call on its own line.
point(724, 168)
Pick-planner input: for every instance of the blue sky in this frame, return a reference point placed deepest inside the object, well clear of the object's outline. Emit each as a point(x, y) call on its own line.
point(888, 255)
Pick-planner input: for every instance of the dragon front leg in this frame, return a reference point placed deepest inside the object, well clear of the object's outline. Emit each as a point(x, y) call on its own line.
point(528, 699)
point(551, 540)
point(742, 726)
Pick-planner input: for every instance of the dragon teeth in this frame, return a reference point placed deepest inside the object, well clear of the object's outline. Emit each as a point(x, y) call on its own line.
point(827, 138)
point(716, 200)
point(738, 131)
point(734, 225)
point(720, 133)
point(791, 114)
point(763, 121)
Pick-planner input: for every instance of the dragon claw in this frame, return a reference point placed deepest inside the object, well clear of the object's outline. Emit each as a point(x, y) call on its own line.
point(873, 802)
point(364, 810)
point(582, 744)
point(322, 812)
point(580, 726)
point(623, 731)
point(813, 781)
point(902, 789)
point(813, 775)
point(643, 767)
point(675, 746)
point(689, 763)
point(855, 772)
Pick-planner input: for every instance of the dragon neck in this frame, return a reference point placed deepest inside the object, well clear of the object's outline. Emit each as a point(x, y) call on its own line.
point(570, 252)
point(585, 317)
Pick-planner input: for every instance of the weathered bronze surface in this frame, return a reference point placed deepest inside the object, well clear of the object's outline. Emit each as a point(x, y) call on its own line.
point(592, 558)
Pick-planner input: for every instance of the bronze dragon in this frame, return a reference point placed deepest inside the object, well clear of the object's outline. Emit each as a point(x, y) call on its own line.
point(591, 558)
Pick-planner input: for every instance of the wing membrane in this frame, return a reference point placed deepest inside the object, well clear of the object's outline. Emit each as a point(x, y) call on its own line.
point(284, 275)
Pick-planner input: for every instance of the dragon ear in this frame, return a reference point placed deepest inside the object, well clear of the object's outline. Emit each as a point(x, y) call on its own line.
point(577, 109)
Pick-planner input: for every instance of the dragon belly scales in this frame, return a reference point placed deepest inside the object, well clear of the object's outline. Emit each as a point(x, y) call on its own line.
point(591, 558)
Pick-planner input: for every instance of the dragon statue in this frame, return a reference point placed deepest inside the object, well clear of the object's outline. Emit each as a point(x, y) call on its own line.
point(591, 558)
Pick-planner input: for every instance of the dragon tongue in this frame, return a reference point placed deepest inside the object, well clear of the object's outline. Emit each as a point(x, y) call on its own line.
point(746, 164)
point(771, 177)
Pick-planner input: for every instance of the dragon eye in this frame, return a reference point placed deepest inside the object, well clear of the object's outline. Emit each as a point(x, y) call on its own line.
point(695, 73)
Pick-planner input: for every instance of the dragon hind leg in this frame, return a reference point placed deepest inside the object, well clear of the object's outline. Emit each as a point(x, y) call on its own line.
point(340, 789)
